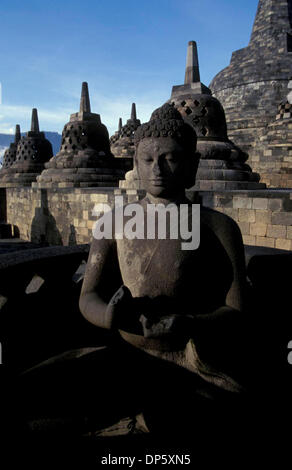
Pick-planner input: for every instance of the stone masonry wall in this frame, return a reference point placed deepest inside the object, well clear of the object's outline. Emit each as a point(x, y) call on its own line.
point(58, 217)
point(249, 108)
point(64, 217)
point(271, 157)
point(55, 216)
point(274, 163)
point(264, 217)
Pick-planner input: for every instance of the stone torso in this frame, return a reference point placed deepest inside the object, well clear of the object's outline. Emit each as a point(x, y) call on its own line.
point(198, 279)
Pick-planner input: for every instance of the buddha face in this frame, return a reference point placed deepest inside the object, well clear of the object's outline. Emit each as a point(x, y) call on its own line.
point(163, 166)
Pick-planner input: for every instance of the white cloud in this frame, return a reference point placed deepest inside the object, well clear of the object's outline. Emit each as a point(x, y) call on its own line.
point(5, 128)
point(11, 115)
point(109, 108)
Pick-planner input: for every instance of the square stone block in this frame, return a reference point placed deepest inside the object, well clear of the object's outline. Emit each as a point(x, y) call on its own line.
point(264, 241)
point(263, 216)
point(282, 218)
point(260, 203)
point(276, 231)
point(283, 244)
point(249, 240)
point(258, 229)
point(246, 215)
point(242, 202)
point(289, 233)
point(275, 204)
point(99, 198)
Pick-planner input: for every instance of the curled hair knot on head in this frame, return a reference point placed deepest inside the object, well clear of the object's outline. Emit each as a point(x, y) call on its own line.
point(166, 121)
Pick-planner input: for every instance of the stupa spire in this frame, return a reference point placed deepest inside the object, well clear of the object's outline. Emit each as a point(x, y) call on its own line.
point(120, 124)
point(192, 74)
point(192, 83)
point(84, 101)
point(17, 134)
point(133, 112)
point(34, 121)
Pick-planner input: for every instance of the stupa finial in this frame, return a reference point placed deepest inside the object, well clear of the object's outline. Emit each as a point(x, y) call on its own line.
point(133, 112)
point(192, 74)
point(34, 121)
point(84, 101)
point(17, 134)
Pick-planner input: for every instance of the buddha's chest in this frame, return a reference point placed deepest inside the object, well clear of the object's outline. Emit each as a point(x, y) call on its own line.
point(160, 267)
point(152, 267)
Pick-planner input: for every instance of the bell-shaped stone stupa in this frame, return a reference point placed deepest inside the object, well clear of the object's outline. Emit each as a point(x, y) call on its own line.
point(222, 164)
point(10, 153)
point(122, 143)
point(33, 150)
point(85, 158)
point(116, 135)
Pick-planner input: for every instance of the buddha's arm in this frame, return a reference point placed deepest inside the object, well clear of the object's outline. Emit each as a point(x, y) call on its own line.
point(92, 304)
point(235, 249)
point(231, 315)
point(103, 301)
point(229, 234)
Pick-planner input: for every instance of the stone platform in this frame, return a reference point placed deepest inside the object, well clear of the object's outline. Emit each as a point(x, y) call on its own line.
point(65, 216)
point(216, 175)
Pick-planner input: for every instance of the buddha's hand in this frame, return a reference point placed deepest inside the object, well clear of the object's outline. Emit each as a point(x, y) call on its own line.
point(168, 325)
point(121, 311)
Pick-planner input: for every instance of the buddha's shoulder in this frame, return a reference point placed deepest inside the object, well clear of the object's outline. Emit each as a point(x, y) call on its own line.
point(219, 222)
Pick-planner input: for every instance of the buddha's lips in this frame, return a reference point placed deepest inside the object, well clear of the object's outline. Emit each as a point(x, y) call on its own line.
point(159, 181)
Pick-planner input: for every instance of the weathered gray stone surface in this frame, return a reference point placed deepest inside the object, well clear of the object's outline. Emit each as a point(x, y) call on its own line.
point(257, 77)
point(272, 153)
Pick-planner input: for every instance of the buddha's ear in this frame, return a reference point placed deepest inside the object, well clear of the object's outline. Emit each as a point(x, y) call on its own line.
point(135, 160)
point(192, 168)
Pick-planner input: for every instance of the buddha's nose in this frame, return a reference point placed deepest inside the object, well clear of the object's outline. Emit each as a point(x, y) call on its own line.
point(156, 169)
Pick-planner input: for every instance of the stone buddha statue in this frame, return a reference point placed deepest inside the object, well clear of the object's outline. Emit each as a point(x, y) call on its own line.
point(174, 313)
point(159, 271)
point(177, 305)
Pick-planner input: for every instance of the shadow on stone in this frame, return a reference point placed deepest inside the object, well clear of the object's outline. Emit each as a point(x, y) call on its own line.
point(72, 236)
point(43, 227)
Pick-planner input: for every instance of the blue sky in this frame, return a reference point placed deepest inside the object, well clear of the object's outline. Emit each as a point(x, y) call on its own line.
point(126, 50)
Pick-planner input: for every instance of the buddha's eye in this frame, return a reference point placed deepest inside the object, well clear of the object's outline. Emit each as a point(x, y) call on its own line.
point(148, 159)
point(171, 158)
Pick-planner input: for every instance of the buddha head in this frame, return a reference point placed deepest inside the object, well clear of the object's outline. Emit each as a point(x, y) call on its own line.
point(165, 153)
